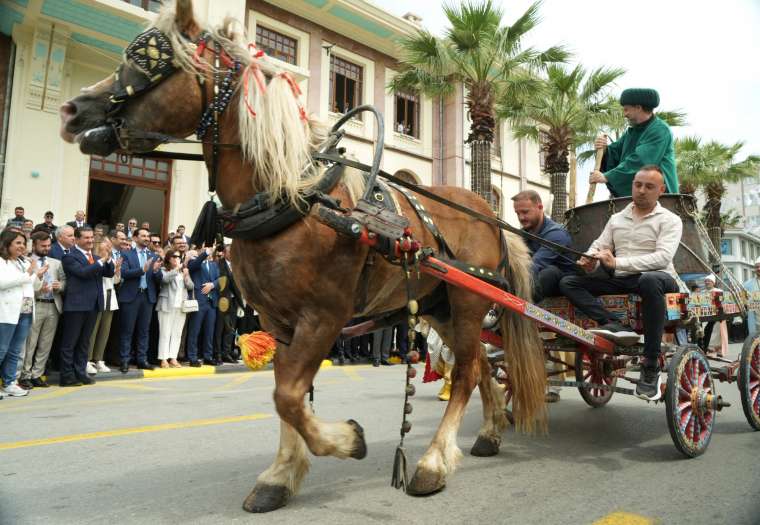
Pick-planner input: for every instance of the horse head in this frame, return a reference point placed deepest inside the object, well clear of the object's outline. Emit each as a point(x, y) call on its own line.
point(155, 69)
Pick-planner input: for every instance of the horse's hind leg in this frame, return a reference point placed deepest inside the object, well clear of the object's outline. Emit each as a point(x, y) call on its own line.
point(494, 415)
point(443, 455)
point(294, 369)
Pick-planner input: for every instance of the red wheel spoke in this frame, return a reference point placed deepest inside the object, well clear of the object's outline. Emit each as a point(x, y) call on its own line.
point(683, 394)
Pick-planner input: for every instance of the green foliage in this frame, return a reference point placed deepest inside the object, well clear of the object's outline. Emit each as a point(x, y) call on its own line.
point(564, 109)
point(712, 164)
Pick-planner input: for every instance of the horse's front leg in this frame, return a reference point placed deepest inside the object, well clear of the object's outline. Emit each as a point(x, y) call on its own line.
point(295, 366)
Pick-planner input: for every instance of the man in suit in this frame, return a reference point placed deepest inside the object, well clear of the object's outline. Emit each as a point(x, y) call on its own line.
point(49, 307)
point(131, 227)
point(140, 278)
point(64, 242)
point(79, 220)
point(205, 275)
point(81, 304)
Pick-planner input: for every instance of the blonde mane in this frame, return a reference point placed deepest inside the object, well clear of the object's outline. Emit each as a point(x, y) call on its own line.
point(277, 141)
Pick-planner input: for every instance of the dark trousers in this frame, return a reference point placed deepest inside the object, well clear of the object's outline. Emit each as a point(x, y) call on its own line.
point(134, 320)
point(402, 338)
point(75, 343)
point(224, 333)
point(582, 290)
point(546, 283)
point(204, 318)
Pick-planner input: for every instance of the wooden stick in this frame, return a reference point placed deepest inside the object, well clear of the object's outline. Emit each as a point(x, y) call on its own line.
point(597, 167)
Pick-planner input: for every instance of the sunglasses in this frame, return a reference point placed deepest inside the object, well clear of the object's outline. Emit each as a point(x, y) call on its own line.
point(155, 242)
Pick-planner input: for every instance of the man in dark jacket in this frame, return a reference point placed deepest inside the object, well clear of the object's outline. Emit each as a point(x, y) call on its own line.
point(138, 292)
point(549, 266)
point(81, 304)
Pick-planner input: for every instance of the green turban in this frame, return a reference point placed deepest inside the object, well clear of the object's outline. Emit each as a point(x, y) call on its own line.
point(649, 98)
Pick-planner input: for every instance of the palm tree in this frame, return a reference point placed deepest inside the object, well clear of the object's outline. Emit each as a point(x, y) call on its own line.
point(710, 166)
point(572, 104)
point(484, 55)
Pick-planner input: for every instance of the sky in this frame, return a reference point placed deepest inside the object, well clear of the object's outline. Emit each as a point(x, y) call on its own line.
point(702, 56)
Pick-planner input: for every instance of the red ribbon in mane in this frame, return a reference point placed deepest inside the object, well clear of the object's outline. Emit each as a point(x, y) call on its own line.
point(253, 70)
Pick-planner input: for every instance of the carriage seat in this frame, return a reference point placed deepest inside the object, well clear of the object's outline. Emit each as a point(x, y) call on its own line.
point(679, 307)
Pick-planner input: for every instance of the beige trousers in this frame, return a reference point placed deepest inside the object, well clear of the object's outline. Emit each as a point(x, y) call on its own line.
point(99, 336)
point(40, 340)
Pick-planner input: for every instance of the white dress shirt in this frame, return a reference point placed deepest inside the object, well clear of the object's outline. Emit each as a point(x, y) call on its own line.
point(644, 244)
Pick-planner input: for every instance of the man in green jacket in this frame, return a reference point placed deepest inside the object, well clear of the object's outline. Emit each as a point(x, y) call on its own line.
point(647, 140)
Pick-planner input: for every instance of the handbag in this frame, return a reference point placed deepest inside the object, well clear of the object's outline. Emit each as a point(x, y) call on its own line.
point(190, 305)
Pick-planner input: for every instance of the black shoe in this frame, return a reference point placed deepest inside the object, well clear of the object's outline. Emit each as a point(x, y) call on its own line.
point(210, 362)
point(229, 359)
point(26, 384)
point(124, 368)
point(648, 387)
point(145, 366)
point(70, 382)
point(376, 362)
point(39, 382)
point(87, 380)
point(385, 362)
point(617, 333)
point(195, 364)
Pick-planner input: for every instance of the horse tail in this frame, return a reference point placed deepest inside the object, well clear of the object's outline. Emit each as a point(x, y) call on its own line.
point(523, 348)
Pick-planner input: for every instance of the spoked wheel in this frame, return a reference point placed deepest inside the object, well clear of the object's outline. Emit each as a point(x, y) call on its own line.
point(690, 401)
point(589, 368)
point(749, 380)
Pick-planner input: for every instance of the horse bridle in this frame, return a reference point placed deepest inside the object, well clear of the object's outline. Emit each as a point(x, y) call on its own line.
point(152, 54)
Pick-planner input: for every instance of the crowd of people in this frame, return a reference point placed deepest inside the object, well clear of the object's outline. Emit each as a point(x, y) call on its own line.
point(74, 297)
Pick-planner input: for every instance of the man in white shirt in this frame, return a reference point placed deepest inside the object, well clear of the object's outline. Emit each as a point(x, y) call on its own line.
point(637, 246)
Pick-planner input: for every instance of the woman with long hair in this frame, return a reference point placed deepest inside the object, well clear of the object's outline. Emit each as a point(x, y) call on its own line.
point(175, 283)
point(19, 278)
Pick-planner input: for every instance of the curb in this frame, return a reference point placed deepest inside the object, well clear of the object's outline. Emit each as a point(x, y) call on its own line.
point(185, 371)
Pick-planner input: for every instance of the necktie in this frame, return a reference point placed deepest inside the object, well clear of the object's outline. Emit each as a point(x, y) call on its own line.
point(65, 251)
point(90, 259)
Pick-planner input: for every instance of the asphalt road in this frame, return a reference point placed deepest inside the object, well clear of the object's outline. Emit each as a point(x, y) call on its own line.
point(188, 450)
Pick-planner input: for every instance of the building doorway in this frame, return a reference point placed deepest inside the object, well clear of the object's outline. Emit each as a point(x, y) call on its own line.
point(122, 186)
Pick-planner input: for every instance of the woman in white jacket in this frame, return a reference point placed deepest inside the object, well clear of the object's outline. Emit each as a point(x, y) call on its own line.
point(175, 283)
point(19, 278)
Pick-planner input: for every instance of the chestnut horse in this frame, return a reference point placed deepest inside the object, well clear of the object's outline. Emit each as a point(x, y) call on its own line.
point(305, 280)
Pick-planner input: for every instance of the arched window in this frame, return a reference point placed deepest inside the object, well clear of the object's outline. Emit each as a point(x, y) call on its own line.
point(407, 176)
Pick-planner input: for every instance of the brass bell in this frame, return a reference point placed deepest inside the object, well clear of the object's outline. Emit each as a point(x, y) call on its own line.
point(222, 282)
point(413, 307)
point(407, 408)
point(406, 426)
point(410, 390)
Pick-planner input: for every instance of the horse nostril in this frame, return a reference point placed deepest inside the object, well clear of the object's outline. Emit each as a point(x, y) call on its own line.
point(67, 111)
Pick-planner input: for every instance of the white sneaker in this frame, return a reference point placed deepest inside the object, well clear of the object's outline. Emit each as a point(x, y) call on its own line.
point(91, 368)
point(100, 366)
point(14, 390)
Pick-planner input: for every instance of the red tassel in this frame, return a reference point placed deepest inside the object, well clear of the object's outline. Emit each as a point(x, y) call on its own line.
point(430, 375)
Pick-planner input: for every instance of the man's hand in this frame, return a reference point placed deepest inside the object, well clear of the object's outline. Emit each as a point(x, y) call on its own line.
point(587, 263)
point(156, 265)
point(192, 254)
point(206, 288)
point(597, 177)
point(185, 271)
point(607, 259)
point(32, 267)
point(45, 288)
point(600, 142)
point(42, 271)
point(56, 286)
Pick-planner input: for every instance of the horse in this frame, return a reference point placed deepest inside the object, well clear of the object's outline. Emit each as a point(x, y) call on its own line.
point(307, 281)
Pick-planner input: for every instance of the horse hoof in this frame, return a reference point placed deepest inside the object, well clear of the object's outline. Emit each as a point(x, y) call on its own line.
point(266, 498)
point(425, 483)
point(360, 446)
point(484, 447)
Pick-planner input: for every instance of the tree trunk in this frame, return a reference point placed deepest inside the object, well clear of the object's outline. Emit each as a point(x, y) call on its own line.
point(559, 191)
point(712, 220)
point(573, 179)
point(480, 170)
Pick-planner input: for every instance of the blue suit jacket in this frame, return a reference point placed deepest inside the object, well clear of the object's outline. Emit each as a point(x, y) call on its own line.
point(131, 271)
point(202, 273)
point(56, 252)
point(84, 282)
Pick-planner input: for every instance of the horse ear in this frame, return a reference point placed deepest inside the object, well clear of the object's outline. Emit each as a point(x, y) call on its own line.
point(184, 17)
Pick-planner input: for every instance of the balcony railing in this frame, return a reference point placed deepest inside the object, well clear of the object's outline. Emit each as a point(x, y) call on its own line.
point(148, 5)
